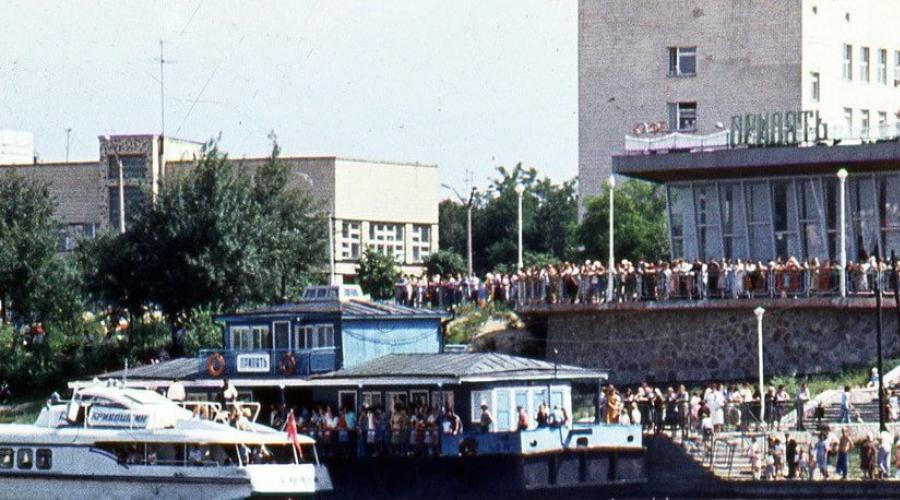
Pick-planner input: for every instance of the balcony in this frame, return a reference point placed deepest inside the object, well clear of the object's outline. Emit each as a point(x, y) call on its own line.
point(269, 362)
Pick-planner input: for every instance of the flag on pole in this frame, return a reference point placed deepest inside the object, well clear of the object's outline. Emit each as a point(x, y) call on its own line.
point(292, 433)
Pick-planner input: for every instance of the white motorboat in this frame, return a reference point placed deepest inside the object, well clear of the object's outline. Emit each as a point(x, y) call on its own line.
point(114, 442)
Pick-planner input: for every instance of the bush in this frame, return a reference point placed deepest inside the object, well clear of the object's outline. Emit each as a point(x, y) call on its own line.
point(444, 263)
point(200, 331)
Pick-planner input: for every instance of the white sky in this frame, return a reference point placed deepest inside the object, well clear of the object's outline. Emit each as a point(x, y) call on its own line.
point(461, 83)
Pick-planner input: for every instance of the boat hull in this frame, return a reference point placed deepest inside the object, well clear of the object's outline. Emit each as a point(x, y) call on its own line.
point(119, 488)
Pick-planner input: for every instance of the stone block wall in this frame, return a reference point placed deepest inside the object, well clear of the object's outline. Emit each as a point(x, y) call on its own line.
point(717, 342)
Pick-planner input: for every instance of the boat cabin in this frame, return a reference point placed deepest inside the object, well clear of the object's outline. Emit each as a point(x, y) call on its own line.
point(333, 327)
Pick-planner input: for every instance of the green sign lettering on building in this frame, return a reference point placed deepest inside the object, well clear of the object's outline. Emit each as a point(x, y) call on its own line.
point(777, 129)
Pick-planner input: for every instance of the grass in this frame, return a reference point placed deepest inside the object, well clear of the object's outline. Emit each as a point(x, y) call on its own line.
point(470, 318)
point(854, 377)
point(22, 412)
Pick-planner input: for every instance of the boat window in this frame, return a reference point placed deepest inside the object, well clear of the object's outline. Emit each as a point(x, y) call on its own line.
point(24, 459)
point(6, 458)
point(43, 459)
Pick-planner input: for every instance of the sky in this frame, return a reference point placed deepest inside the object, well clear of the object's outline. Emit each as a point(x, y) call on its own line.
point(466, 84)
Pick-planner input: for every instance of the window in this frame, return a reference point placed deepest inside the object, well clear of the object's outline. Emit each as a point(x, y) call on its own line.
point(419, 398)
point(371, 399)
point(133, 167)
point(882, 66)
point(24, 459)
point(683, 115)
point(387, 239)
point(864, 122)
point(815, 82)
point(240, 336)
point(864, 64)
point(347, 400)
point(448, 402)
point(848, 121)
point(897, 68)
point(261, 338)
point(44, 459)
point(682, 61)
point(421, 242)
point(134, 198)
point(350, 240)
point(250, 338)
point(848, 62)
point(315, 336)
point(281, 329)
point(479, 398)
point(68, 235)
point(882, 124)
point(6, 458)
point(396, 398)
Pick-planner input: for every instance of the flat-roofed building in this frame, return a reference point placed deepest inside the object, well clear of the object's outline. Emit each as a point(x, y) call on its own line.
point(389, 206)
point(688, 65)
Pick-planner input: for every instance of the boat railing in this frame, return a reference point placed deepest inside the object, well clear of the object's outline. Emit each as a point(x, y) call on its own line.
point(216, 412)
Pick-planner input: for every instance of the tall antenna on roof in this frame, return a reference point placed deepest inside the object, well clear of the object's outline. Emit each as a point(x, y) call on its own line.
point(162, 90)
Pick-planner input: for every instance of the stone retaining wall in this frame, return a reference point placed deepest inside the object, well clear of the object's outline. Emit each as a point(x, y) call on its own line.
point(668, 342)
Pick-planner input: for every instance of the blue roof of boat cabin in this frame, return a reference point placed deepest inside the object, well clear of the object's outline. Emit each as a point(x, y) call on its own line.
point(347, 309)
point(461, 367)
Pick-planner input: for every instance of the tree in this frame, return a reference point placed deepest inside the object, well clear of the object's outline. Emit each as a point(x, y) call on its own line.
point(453, 224)
point(444, 263)
point(377, 273)
point(214, 239)
point(640, 224)
point(294, 245)
point(35, 285)
point(549, 218)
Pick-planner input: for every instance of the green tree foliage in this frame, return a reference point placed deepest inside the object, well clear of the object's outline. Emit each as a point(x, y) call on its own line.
point(214, 239)
point(294, 233)
point(445, 263)
point(640, 224)
point(453, 224)
point(29, 269)
point(549, 218)
point(377, 273)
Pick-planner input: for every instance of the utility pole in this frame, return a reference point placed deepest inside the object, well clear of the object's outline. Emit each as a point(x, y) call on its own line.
point(68, 133)
point(162, 91)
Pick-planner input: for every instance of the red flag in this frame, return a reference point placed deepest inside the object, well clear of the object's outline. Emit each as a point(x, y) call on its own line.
point(292, 433)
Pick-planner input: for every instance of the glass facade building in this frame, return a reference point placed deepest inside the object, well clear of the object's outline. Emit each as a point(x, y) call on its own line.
point(770, 202)
point(764, 218)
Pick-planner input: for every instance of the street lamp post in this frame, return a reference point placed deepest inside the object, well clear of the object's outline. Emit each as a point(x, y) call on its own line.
point(842, 177)
point(759, 311)
point(469, 228)
point(610, 272)
point(520, 189)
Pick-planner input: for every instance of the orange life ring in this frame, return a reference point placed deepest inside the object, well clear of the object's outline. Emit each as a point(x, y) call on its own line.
point(288, 364)
point(215, 365)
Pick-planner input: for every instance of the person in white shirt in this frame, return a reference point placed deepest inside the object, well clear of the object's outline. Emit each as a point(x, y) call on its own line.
point(800, 405)
point(176, 391)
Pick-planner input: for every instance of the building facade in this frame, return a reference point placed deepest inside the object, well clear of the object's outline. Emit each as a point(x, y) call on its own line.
point(689, 65)
point(762, 203)
point(389, 206)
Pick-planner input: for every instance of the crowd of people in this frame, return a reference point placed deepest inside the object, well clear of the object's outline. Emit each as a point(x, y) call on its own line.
point(588, 283)
point(825, 457)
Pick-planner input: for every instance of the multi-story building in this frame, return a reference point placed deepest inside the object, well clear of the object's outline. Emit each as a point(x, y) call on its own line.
point(389, 206)
point(693, 64)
